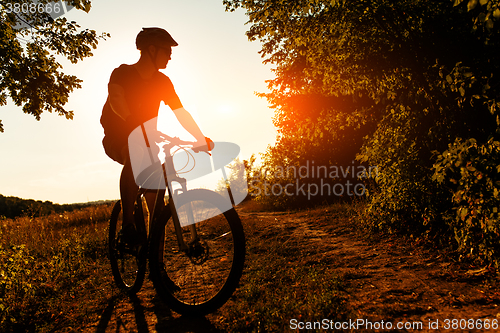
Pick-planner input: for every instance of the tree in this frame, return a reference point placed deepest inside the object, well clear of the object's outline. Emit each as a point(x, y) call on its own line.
point(399, 80)
point(316, 111)
point(29, 40)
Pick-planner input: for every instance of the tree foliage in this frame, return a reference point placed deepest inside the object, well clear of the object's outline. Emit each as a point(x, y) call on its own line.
point(470, 171)
point(13, 207)
point(393, 83)
point(29, 71)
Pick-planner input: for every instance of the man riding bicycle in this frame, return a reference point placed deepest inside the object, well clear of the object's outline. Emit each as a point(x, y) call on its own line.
point(134, 96)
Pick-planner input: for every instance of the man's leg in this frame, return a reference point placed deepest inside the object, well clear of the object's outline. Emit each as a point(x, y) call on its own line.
point(156, 200)
point(128, 192)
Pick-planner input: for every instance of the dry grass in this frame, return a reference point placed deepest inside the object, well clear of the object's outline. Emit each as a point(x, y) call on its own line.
point(45, 262)
point(55, 275)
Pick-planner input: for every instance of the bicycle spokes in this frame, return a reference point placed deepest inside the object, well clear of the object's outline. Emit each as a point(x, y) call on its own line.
point(208, 270)
point(128, 262)
point(198, 252)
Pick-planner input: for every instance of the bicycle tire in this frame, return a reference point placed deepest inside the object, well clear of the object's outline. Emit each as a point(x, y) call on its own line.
point(208, 284)
point(128, 265)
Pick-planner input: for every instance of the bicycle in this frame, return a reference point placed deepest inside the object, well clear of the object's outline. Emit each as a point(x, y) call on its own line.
point(196, 246)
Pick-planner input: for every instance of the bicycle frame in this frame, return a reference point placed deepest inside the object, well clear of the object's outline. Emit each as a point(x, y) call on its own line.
point(199, 273)
point(174, 177)
point(169, 180)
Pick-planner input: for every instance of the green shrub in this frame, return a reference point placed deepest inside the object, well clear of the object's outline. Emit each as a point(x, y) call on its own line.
point(404, 197)
point(15, 281)
point(471, 173)
point(44, 262)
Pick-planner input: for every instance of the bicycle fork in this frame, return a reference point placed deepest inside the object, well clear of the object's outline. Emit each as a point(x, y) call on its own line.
point(175, 217)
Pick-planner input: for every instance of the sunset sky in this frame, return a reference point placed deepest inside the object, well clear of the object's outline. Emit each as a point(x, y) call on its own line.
point(215, 70)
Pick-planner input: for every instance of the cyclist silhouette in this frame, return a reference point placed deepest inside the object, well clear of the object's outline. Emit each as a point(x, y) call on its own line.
point(134, 96)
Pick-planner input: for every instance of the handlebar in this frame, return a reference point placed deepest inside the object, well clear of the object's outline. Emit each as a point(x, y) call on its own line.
point(194, 145)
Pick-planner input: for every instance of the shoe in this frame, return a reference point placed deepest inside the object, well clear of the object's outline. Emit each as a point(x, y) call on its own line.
point(171, 286)
point(129, 235)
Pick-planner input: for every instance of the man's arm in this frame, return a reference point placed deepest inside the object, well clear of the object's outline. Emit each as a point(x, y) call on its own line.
point(116, 96)
point(187, 121)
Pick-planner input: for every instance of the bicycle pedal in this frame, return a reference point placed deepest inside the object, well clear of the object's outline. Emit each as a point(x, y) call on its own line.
point(129, 238)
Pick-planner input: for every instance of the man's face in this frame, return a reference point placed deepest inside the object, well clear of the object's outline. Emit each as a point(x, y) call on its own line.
point(162, 57)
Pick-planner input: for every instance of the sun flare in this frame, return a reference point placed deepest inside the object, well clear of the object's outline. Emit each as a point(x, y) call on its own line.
point(225, 109)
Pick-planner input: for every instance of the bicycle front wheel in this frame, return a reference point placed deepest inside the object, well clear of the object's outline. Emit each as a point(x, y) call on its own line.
point(128, 264)
point(200, 280)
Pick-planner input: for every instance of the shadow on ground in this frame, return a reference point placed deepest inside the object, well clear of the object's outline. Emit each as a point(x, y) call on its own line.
point(146, 313)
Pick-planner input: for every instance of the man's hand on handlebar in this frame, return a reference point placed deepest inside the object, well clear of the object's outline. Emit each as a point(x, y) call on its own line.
point(158, 136)
point(206, 146)
point(210, 143)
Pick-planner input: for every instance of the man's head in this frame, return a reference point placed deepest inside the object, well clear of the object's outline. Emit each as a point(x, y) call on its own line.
point(157, 43)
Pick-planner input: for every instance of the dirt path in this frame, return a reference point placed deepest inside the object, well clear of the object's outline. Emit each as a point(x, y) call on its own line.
point(389, 280)
point(386, 282)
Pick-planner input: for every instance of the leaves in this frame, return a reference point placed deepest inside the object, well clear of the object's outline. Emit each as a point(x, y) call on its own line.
point(474, 215)
point(31, 75)
point(394, 84)
point(472, 4)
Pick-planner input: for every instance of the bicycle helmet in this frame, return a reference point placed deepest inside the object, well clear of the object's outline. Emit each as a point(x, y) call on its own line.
point(154, 36)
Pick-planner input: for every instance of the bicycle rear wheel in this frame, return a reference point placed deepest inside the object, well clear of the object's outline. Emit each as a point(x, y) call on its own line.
point(128, 264)
point(201, 280)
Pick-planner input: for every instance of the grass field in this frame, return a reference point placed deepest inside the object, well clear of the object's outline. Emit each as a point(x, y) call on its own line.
point(301, 266)
point(55, 274)
point(47, 264)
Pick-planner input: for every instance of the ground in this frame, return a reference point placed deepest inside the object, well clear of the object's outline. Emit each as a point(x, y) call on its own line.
point(387, 281)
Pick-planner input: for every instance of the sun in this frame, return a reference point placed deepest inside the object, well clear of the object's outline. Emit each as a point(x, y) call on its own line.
point(225, 109)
